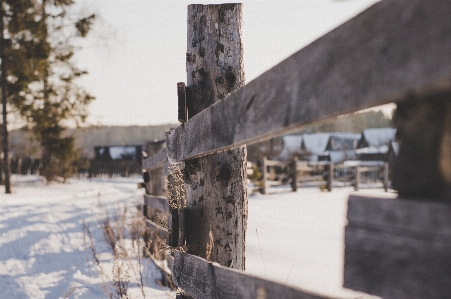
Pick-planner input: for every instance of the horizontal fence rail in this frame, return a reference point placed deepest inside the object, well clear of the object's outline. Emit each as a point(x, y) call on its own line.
point(398, 248)
point(207, 280)
point(155, 161)
point(388, 53)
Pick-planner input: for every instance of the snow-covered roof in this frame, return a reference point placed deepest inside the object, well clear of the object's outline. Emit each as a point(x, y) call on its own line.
point(376, 137)
point(343, 141)
point(291, 145)
point(315, 143)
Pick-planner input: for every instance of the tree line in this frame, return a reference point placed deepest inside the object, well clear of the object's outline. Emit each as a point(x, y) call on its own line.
point(38, 78)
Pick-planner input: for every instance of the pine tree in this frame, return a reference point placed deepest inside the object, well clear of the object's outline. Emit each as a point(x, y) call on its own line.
point(21, 58)
point(44, 92)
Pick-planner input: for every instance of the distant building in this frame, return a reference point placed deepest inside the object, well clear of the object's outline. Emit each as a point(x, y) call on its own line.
point(374, 144)
point(110, 153)
point(291, 146)
point(314, 146)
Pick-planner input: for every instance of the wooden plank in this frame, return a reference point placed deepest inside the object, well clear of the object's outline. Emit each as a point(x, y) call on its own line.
point(398, 248)
point(294, 174)
point(157, 202)
point(206, 280)
point(386, 172)
point(276, 163)
point(357, 171)
point(181, 96)
point(330, 176)
point(265, 176)
point(158, 160)
point(158, 230)
point(393, 49)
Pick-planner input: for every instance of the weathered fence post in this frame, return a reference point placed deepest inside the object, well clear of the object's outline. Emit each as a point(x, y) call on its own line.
point(330, 176)
point(216, 203)
point(356, 178)
point(423, 166)
point(265, 176)
point(294, 175)
point(386, 176)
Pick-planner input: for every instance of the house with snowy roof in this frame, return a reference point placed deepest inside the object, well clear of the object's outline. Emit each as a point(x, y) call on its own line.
point(341, 146)
point(374, 143)
point(313, 146)
point(291, 146)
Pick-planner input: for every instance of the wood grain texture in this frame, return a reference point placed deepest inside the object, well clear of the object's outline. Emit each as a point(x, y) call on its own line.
point(206, 280)
point(216, 207)
point(216, 213)
point(393, 49)
point(398, 248)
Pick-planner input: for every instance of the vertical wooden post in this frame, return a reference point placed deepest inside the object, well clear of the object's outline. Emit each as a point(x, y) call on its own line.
point(181, 96)
point(294, 175)
point(216, 207)
point(386, 176)
point(422, 168)
point(265, 176)
point(357, 178)
point(330, 176)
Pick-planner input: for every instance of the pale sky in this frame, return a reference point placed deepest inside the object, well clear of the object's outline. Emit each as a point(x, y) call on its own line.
point(136, 53)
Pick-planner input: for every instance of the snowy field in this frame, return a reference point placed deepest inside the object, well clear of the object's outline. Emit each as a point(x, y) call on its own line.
point(42, 248)
point(301, 237)
point(295, 238)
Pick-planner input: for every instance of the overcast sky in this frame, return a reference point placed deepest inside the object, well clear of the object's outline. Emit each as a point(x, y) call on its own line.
point(136, 53)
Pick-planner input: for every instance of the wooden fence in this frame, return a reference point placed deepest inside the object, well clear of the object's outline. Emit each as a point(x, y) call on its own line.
point(322, 173)
point(395, 51)
point(156, 208)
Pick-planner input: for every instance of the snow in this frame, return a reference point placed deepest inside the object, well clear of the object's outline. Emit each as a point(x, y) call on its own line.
point(376, 137)
point(300, 238)
point(291, 145)
point(42, 248)
point(315, 143)
point(119, 152)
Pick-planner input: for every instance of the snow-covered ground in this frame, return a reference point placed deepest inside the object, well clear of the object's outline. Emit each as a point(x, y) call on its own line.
point(42, 248)
point(298, 238)
point(295, 238)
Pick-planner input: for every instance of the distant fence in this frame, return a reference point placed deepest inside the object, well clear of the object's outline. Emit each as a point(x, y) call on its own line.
point(396, 51)
point(156, 209)
point(323, 174)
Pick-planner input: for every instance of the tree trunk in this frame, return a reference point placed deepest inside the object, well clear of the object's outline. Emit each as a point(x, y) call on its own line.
point(5, 141)
point(216, 185)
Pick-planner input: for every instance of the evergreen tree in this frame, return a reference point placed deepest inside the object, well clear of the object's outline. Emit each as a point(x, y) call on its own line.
point(21, 58)
point(47, 95)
